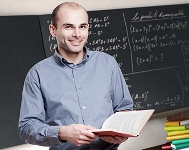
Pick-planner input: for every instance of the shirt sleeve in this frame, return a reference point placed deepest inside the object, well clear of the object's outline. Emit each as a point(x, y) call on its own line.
point(32, 126)
point(120, 93)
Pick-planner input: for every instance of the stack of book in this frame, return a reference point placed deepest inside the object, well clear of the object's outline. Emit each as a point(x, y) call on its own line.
point(177, 134)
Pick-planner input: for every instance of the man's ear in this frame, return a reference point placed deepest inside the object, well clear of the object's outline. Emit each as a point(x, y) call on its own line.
point(52, 30)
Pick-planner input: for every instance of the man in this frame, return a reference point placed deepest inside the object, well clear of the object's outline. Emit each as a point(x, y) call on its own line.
point(73, 91)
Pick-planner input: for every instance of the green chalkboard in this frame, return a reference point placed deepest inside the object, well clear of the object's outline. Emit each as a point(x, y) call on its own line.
point(21, 47)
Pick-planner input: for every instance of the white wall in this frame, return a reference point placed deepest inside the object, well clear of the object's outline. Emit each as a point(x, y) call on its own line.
point(37, 7)
point(153, 133)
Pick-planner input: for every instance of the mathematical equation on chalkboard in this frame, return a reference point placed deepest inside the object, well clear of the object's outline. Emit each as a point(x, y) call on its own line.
point(142, 99)
point(151, 46)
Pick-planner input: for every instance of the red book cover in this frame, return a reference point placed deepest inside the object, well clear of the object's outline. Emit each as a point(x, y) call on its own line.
point(166, 146)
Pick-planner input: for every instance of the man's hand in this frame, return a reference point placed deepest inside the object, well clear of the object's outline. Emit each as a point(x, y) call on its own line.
point(114, 139)
point(77, 134)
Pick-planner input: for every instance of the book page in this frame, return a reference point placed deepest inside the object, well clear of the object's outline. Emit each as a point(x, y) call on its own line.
point(130, 122)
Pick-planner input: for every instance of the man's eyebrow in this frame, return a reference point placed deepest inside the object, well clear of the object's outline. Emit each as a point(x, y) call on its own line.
point(69, 24)
point(84, 24)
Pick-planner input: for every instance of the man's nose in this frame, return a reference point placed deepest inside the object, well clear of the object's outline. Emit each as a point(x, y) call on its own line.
point(76, 32)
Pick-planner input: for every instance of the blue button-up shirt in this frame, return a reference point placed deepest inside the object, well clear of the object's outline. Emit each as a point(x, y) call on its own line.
point(57, 93)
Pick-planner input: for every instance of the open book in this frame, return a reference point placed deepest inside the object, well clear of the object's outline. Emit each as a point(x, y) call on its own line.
point(125, 123)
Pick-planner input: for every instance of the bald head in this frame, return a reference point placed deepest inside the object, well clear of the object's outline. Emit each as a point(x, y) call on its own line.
point(66, 5)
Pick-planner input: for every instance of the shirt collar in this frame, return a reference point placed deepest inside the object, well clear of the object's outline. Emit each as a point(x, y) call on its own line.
point(62, 61)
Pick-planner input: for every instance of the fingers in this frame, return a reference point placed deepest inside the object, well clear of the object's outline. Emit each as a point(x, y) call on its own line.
point(121, 139)
point(78, 134)
point(88, 127)
point(82, 140)
point(114, 140)
point(89, 134)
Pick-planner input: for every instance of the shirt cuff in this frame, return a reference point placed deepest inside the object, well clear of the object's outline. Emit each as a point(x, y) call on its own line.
point(53, 135)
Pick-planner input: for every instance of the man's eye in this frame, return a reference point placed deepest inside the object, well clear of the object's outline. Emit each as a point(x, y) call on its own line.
point(68, 27)
point(83, 27)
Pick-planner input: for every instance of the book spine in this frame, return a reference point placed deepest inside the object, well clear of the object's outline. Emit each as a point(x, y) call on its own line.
point(172, 123)
point(176, 137)
point(166, 146)
point(184, 122)
point(184, 148)
point(187, 126)
point(179, 146)
point(170, 133)
point(172, 128)
point(180, 141)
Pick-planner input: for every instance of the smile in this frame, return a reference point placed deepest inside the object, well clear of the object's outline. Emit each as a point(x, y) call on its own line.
point(75, 42)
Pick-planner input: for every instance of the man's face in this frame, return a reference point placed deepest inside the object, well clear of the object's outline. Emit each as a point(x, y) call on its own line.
point(72, 30)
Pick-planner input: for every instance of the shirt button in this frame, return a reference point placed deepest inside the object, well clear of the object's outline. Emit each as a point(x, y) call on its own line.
point(84, 107)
